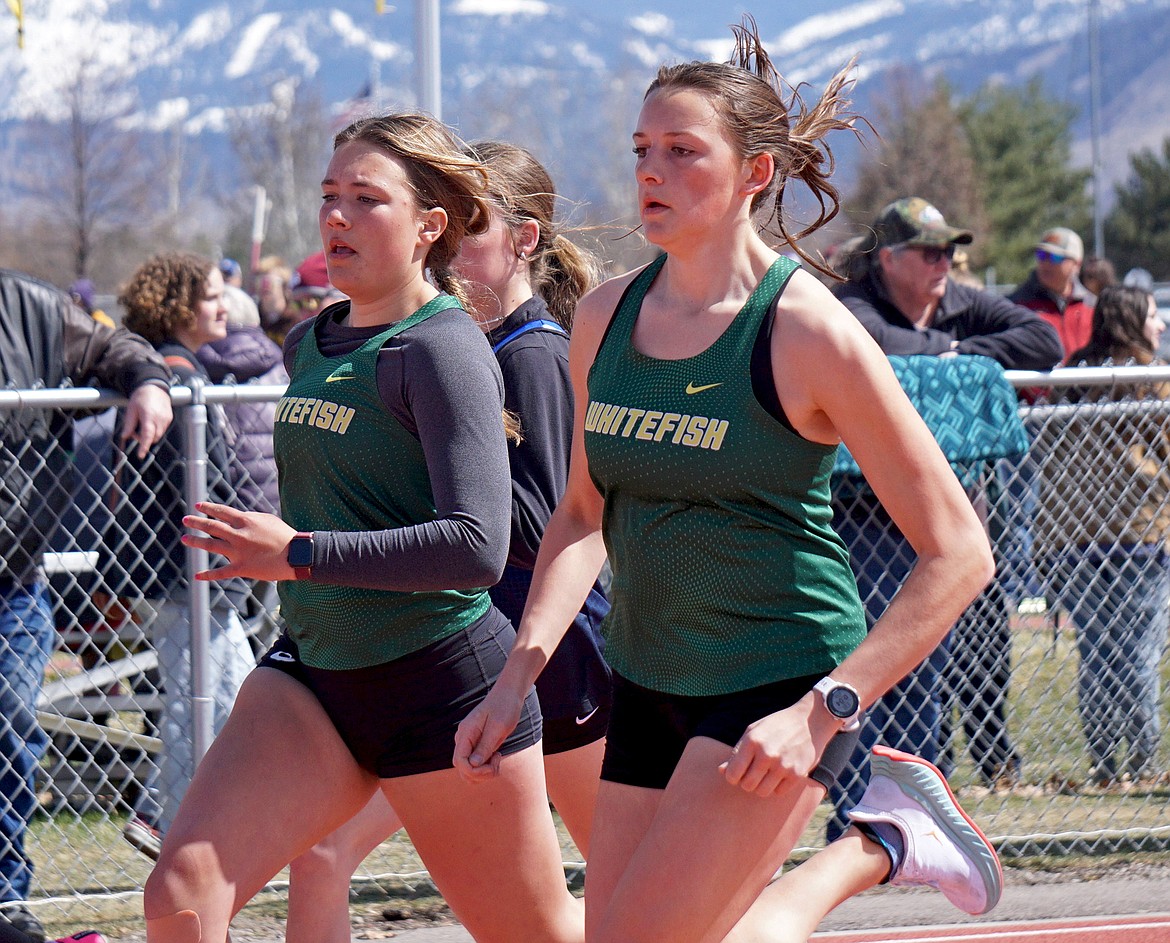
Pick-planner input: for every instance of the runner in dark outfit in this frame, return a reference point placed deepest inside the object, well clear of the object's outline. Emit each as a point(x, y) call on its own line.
point(519, 253)
point(394, 480)
point(713, 388)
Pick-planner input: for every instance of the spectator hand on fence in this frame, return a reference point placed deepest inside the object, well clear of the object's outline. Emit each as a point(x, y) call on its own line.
point(147, 417)
point(255, 544)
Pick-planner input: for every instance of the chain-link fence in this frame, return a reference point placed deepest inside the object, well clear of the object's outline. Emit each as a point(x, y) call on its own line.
point(139, 662)
point(1044, 705)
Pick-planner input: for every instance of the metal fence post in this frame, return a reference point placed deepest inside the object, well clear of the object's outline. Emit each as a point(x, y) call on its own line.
point(199, 598)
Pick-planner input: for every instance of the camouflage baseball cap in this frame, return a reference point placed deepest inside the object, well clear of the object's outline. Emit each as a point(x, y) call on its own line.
point(914, 222)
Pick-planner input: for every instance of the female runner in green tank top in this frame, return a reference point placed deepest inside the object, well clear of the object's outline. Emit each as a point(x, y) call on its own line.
point(713, 388)
point(394, 478)
point(520, 272)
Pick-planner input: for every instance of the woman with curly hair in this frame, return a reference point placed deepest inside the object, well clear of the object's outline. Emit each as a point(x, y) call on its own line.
point(175, 301)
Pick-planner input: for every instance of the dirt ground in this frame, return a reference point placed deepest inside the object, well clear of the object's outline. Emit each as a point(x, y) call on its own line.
point(1115, 886)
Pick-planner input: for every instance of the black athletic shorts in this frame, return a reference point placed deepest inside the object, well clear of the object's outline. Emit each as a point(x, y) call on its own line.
point(399, 718)
point(648, 730)
point(575, 687)
point(562, 734)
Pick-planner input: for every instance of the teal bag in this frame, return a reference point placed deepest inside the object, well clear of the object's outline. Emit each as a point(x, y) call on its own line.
point(968, 405)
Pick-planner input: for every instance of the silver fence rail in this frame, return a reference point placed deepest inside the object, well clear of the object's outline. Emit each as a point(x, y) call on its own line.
point(1044, 706)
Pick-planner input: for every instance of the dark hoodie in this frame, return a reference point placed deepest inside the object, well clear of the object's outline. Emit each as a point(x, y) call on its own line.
point(981, 321)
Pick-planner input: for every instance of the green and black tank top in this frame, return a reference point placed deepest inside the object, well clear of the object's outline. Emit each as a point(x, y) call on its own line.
point(727, 571)
point(347, 464)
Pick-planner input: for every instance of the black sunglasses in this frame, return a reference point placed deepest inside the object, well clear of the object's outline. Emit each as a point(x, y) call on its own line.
point(931, 255)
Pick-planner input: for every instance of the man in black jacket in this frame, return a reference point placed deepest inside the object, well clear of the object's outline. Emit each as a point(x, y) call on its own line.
point(901, 292)
point(46, 340)
point(899, 288)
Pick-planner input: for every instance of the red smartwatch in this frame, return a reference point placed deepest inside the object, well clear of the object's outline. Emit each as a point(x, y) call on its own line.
point(300, 555)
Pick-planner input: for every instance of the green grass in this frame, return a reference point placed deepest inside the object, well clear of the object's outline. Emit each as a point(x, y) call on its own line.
point(1044, 722)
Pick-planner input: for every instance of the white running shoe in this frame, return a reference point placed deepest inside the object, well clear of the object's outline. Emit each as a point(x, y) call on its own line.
point(944, 848)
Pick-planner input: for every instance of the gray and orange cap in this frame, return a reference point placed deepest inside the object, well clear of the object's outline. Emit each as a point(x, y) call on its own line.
point(912, 221)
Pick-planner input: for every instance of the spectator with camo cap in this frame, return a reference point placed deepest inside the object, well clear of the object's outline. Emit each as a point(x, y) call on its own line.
point(903, 296)
point(901, 291)
point(1053, 291)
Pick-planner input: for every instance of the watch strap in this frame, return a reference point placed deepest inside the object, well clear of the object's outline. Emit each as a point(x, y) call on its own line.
point(302, 572)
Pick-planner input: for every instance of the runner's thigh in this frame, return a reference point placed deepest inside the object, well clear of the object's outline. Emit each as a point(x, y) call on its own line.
point(492, 850)
point(704, 858)
point(276, 779)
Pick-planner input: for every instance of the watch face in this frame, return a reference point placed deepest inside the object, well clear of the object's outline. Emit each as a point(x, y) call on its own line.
point(842, 702)
point(300, 552)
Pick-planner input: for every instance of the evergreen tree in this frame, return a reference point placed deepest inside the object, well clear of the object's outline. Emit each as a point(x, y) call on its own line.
point(1020, 141)
point(921, 151)
point(1137, 231)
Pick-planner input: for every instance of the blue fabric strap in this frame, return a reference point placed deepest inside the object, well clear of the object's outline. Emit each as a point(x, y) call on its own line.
point(540, 324)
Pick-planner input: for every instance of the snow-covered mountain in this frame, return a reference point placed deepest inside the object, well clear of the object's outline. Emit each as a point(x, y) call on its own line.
point(568, 73)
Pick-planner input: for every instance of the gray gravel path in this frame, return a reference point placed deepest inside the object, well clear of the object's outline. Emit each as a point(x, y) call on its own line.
point(1120, 890)
point(1114, 890)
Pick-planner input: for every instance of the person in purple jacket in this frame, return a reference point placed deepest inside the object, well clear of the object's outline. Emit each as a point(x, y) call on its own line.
point(248, 355)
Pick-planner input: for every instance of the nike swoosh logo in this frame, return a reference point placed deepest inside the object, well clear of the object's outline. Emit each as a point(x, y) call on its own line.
point(346, 376)
point(581, 720)
point(692, 389)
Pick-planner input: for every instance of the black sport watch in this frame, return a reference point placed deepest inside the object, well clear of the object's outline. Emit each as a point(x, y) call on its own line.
point(841, 700)
point(301, 555)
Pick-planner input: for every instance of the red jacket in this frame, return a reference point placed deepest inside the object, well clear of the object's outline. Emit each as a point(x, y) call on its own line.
point(1072, 317)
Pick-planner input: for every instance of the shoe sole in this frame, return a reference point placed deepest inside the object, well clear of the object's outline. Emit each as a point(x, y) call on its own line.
point(146, 844)
point(922, 781)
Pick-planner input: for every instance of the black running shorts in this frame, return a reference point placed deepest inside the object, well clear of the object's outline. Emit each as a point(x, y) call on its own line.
point(562, 734)
point(399, 718)
point(648, 730)
point(575, 689)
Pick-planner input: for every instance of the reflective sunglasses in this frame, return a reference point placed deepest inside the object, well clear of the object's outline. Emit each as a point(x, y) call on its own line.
point(1043, 255)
